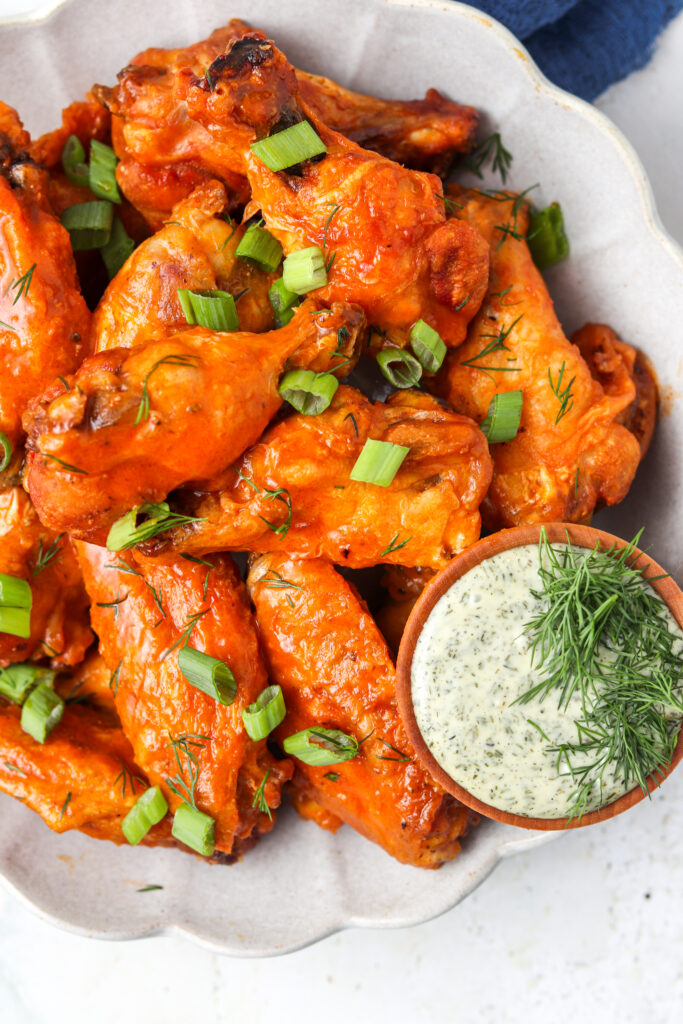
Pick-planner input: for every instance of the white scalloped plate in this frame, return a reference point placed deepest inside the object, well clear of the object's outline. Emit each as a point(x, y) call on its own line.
point(300, 883)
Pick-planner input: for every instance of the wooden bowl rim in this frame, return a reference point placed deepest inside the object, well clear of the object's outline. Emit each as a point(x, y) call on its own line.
point(518, 536)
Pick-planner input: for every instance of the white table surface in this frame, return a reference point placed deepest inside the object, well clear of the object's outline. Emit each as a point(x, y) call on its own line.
point(587, 928)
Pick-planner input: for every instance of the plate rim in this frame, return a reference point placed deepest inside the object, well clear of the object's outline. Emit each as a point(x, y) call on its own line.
point(505, 849)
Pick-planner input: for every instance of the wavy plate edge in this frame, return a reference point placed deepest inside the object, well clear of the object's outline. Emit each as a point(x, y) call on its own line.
point(504, 849)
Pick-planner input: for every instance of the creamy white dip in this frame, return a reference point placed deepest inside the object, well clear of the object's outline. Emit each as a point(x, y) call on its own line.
point(471, 661)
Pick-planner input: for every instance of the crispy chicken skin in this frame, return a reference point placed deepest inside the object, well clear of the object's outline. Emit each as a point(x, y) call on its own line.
point(210, 395)
point(196, 250)
point(614, 363)
point(156, 703)
point(75, 780)
point(325, 651)
point(428, 513)
point(570, 455)
point(44, 322)
point(403, 587)
point(395, 253)
point(60, 626)
point(165, 153)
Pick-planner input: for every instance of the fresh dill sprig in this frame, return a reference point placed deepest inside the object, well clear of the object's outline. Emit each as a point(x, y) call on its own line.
point(65, 805)
point(563, 395)
point(273, 580)
point(114, 678)
point(184, 638)
point(115, 604)
point(47, 555)
point(490, 148)
point(498, 343)
point(603, 635)
point(126, 778)
point(393, 546)
point(185, 746)
point(175, 359)
point(385, 757)
point(279, 494)
point(65, 465)
point(14, 768)
point(259, 800)
point(22, 283)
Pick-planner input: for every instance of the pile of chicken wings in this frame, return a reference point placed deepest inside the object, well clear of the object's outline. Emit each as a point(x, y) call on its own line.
point(239, 469)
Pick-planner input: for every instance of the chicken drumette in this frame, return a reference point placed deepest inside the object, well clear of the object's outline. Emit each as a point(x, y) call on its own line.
point(323, 648)
point(144, 611)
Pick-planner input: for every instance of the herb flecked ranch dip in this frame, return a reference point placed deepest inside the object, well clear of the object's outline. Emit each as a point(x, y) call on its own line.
point(474, 659)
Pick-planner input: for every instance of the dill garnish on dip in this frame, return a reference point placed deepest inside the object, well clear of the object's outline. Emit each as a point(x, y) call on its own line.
point(547, 681)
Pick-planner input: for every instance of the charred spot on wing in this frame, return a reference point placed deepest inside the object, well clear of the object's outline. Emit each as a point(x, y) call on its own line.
point(248, 52)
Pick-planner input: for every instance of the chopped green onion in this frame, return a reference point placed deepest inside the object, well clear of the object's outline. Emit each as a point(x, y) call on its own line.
point(17, 681)
point(309, 392)
point(260, 246)
point(304, 270)
point(16, 621)
point(502, 419)
point(147, 811)
point(15, 592)
point(102, 177)
point(212, 308)
point(428, 346)
point(116, 251)
point(265, 714)
point(195, 829)
point(283, 318)
point(6, 446)
point(399, 367)
point(291, 146)
point(321, 746)
point(88, 224)
point(379, 462)
point(208, 674)
point(42, 710)
point(282, 301)
point(126, 532)
point(74, 162)
point(546, 237)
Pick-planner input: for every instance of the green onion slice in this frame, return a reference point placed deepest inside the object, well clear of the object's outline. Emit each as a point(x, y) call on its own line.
point(212, 308)
point(283, 318)
point(379, 462)
point(126, 532)
point(42, 710)
point(6, 455)
point(309, 392)
point(281, 299)
point(15, 592)
point(17, 681)
point(88, 224)
point(261, 247)
point(265, 714)
point(16, 621)
point(291, 146)
point(102, 177)
point(116, 251)
point(147, 811)
point(195, 829)
point(546, 237)
point(211, 676)
point(321, 746)
point(502, 419)
point(304, 270)
point(399, 367)
point(74, 162)
point(428, 346)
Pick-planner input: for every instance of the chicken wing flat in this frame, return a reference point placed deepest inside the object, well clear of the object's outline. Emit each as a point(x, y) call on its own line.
point(614, 364)
point(83, 777)
point(195, 250)
point(165, 153)
point(143, 612)
point(325, 651)
point(44, 321)
point(60, 626)
point(571, 452)
point(292, 491)
point(134, 424)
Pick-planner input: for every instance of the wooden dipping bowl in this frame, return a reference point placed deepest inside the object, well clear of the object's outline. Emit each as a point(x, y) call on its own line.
point(579, 536)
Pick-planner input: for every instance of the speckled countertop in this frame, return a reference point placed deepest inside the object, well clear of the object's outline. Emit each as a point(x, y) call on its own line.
point(587, 928)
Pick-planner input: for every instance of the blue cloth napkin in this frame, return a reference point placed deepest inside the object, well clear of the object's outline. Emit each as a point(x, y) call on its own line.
point(585, 45)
